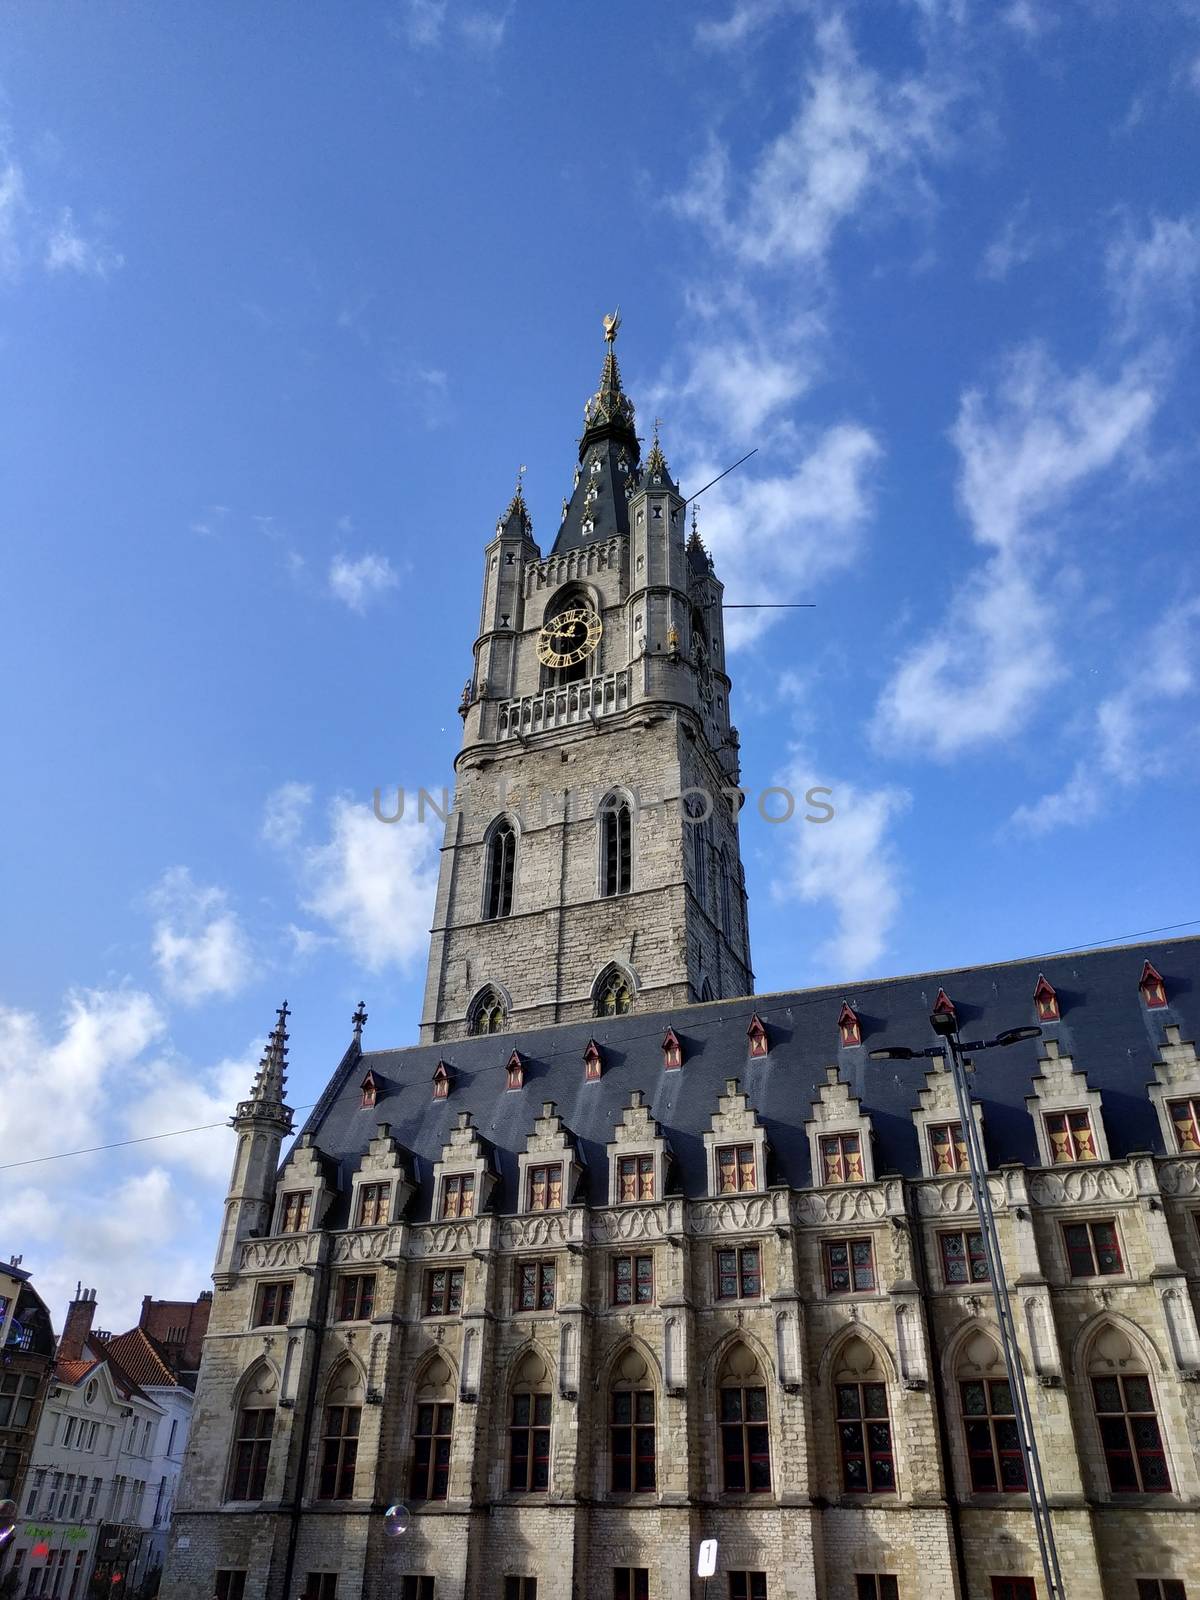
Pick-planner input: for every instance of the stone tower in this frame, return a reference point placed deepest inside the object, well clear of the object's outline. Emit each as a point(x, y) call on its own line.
point(261, 1123)
point(591, 862)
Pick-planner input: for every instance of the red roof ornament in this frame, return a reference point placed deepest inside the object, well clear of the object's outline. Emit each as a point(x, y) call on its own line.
point(370, 1089)
point(593, 1062)
point(1154, 990)
point(757, 1035)
point(943, 1006)
point(516, 1070)
point(1045, 1001)
point(443, 1081)
point(672, 1051)
point(849, 1026)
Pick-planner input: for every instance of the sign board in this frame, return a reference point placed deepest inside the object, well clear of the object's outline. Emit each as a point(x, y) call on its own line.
point(706, 1564)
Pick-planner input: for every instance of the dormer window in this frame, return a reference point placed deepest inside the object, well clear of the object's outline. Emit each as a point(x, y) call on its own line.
point(948, 1148)
point(1152, 988)
point(736, 1169)
point(1045, 1001)
point(443, 1078)
point(841, 1158)
point(297, 1209)
point(516, 1071)
point(545, 1188)
point(593, 1062)
point(370, 1090)
point(849, 1027)
point(373, 1201)
point(756, 1033)
point(1070, 1136)
point(672, 1051)
point(458, 1195)
point(635, 1179)
point(1185, 1119)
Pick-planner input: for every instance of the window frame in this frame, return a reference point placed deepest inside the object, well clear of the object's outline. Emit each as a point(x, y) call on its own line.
point(876, 1586)
point(824, 1140)
point(631, 1583)
point(429, 1293)
point(1073, 1251)
point(739, 1153)
point(276, 1289)
point(543, 1171)
point(957, 1148)
point(851, 1268)
point(530, 1432)
point(372, 1199)
point(355, 1312)
point(997, 1453)
point(643, 1164)
point(738, 1251)
point(635, 1260)
point(458, 1196)
point(1161, 1589)
point(970, 1257)
point(499, 870)
point(337, 1463)
point(1192, 1104)
point(735, 1437)
point(1068, 1115)
point(615, 876)
point(230, 1583)
point(541, 1267)
point(295, 1211)
point(1131, 1448)
point(861, 1420)
point(429, 1479)
point(627, 1441)
point(747, 1584)
point(256, 1447)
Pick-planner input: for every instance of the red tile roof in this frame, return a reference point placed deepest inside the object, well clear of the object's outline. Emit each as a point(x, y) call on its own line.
point(141, 1357)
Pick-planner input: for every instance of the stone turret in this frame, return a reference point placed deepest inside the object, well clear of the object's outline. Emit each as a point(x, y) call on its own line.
point(261, 1122)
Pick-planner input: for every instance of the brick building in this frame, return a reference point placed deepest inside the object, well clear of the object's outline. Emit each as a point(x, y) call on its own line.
point(621, 1256)
point(26, 1358)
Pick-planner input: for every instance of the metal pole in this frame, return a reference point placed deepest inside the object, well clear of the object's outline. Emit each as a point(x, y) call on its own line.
point(1023, 1415)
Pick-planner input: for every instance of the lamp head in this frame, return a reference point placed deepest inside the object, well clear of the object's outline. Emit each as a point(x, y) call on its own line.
point(897, 1053)
point(944, 1023)
point(1015, 1035)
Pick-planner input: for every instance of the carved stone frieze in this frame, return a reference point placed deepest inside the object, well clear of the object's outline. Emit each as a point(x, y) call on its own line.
point(368, 1244)
point(627, 1223)
point(542, 1230)
point(738, 1213)
point(855, 1203)
point(952, 1197)
point(1080, 1184)
point(292, 1250)
point(1181, 1177)
point(450, 1238)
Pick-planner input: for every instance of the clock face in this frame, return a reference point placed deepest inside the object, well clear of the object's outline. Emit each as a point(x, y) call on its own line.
point(569, 638)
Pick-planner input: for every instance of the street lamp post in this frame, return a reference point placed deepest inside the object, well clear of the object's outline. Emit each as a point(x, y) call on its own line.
point(951, 1051)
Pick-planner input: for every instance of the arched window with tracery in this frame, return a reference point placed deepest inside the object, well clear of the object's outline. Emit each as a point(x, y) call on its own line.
point(631, 1433)
point(433, 1429)
point(864, 1427)
point(1126, 1415)
point(340, 1422)
point(487, 1013)
point(529, 1427)
point(616, 845)
point(697, 826)
point(614, 993)
point(500, 863)
point(255, 1424)
point(726, 908)
point(745, 1431)
point(994, 1460)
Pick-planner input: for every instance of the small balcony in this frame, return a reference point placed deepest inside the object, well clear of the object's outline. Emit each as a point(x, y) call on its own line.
point(565, 704)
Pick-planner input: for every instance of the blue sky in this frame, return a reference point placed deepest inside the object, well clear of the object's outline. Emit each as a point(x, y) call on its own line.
point(287, 293)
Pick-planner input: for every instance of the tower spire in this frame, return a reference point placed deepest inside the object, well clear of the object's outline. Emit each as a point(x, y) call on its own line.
point(609, 412)
point(656, 462)
point(515, 517)
point(270, 1081)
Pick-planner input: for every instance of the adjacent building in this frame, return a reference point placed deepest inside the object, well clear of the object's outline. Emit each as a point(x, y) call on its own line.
point(622, 1256)
point(26, 1358)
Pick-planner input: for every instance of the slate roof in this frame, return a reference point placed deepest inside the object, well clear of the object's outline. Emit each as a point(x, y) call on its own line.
point(1105, 1027)
point(608, 512)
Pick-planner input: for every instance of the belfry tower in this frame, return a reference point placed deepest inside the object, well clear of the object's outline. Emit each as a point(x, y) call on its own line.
point(591, 862)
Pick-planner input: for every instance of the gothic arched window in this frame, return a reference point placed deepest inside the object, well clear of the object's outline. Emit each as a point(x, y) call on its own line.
point(616, 846)
point(994, 1457)
point(433, 1427)
point(864, 1425)
point(745, 1432)
point(631, 1427)
point(529, 1427)
point(726, 914)
point(339, 1434)
point(500, 862)
point(251, 1453)
point(487, 1013)
point(697, 826)
point(614, 994)
point(1125, 1412)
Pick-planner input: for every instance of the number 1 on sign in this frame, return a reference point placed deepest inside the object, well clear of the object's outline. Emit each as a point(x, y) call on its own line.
point(706, 1563)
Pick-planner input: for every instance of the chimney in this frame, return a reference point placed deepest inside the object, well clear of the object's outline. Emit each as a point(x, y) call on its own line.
point(78, 1326)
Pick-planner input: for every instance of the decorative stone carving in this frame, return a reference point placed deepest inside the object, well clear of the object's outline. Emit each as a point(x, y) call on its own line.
point(1073, 1185)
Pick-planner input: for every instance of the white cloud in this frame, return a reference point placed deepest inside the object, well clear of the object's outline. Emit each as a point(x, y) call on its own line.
point(284, 814)
point(373, 883)
point(745, 20)
point(1128, 743)
point(169, 1093)
point(484, 30)
point(790, 529)
point(421, 22)
point(53, 1092)
point(1152, 276)
point(975, 676)
point(200, 948)
point(855, 137)
point(1013, 246)
point(68, 250)
point(1029, 18)
point(12, 209)
point(359, 582)
point(849, 863)
point(425, 24)
point(741, 387)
